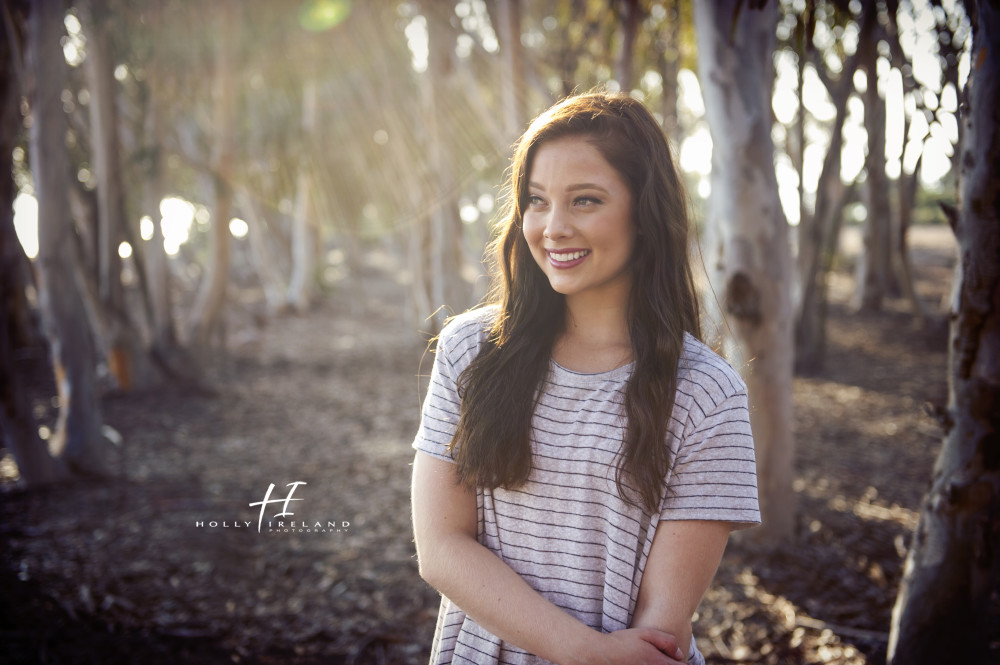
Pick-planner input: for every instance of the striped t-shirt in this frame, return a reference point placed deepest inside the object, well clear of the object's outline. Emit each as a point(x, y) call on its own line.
point(567, 531)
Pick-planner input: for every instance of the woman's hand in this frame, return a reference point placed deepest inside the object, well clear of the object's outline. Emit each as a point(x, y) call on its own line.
point(637, 646)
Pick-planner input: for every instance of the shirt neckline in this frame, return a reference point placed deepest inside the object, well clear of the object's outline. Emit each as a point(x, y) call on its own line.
point(619, 372)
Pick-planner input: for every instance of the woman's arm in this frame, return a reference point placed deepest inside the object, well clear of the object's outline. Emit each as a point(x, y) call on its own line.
point(497, 598)
point(682, 562)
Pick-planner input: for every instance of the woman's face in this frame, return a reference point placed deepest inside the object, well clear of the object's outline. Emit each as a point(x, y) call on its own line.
point(578, 221)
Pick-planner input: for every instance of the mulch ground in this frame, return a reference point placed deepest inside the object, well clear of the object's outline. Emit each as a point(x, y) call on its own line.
point(165, 563)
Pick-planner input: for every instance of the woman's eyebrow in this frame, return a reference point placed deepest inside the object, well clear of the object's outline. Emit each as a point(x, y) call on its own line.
point(585, 185)
point(572, 188)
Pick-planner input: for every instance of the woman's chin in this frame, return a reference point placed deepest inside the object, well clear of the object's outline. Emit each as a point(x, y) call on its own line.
point(562, 287)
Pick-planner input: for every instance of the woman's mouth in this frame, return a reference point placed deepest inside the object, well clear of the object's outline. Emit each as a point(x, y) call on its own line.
point(567, 258)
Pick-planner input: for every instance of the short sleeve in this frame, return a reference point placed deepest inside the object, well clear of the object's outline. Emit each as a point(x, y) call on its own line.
point(714, 475)
point(439, 416)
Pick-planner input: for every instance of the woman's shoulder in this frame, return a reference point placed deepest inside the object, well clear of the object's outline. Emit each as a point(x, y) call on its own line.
point(466, 331)
point(700, 365)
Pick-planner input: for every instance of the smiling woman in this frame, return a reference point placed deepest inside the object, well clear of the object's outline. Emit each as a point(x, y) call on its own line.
point(582, 456)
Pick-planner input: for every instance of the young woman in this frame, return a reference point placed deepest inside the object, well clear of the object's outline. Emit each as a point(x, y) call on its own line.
point(582, 456)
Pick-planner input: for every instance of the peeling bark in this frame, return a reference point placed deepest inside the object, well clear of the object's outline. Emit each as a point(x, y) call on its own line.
point(749, 257)
point(947, 609)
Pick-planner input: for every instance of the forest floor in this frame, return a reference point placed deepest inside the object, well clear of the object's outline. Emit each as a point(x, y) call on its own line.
point(167, 564)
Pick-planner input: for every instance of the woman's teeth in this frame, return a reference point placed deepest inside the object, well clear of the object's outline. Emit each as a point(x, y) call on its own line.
point(569, 256)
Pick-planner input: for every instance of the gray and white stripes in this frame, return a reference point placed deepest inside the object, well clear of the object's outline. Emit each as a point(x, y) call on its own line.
point(567, 532)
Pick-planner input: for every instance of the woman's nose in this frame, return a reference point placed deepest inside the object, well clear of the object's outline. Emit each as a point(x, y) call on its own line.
point(557, 226)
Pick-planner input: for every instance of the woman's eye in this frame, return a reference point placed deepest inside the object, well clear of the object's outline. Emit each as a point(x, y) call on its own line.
point(534, 200)
point(587, 201)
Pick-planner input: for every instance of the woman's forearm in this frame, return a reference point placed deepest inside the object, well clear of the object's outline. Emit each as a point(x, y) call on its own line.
point(500, 601)
point(453, 561)
point(681, 563)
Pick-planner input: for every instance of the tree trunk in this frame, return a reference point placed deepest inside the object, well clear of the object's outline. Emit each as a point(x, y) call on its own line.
point(206, 317)
point(906, 190)
point(127, 360)
point(17, 423)
point(907, 183)
point(164, 334)
point(513, 90)
point(421, 293)
point(18, 430)
point(630, 18)
point(449, 292)
point(874, 262)
point(77, 438)
point(749, 243)
point(670, 57)
point(800, 117)
point(818, 232)
point(262, 252)
point(947, 608)
point(303, 237)
point(104, 144)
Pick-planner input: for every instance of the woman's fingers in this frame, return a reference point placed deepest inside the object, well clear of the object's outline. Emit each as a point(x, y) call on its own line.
point(644, 645)
point(663, 641)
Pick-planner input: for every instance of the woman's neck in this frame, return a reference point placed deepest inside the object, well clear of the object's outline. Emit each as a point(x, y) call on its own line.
point(595, 337)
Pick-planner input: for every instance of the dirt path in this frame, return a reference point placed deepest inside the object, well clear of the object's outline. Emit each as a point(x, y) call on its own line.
point(135, 571)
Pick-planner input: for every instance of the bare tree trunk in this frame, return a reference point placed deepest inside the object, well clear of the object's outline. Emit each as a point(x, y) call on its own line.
point(750, 244)
point(104, 142)
point(127, 358)
point(262, 252)
point(630, 14)
point(18, 431)
point(670, 58)
point(164, 334)
point(449, 293)
point(77, 438)
point(947, 609)
point(818, 232)
point(303, 238)
point(873, 263)
point(906, 190)
point(800, 116)
point(421, 292)
point(512, 80)
point(206, 317)
point(908, 183)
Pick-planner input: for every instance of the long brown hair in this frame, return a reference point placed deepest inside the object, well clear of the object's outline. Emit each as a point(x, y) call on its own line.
point(500, 388)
